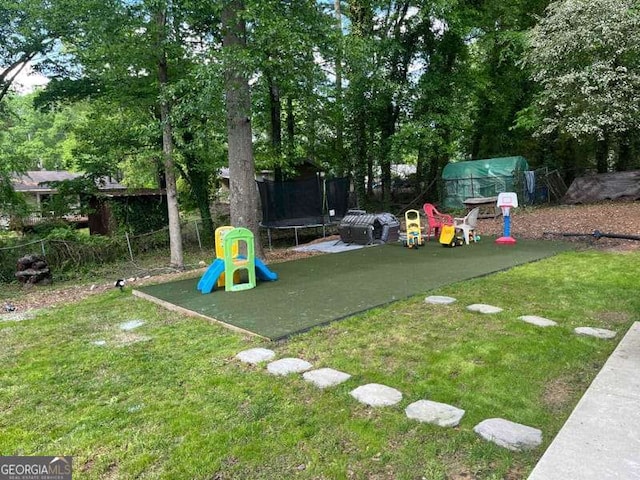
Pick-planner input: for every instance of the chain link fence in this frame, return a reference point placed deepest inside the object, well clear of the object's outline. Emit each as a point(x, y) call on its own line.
point(67, 257)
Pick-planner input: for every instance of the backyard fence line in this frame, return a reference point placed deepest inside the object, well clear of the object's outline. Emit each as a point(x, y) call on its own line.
point(127, 237)
point(67, 255)
point(22, 245)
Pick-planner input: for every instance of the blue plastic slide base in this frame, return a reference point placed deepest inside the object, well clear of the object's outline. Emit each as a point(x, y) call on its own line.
point(263, 272)
point(208, 281)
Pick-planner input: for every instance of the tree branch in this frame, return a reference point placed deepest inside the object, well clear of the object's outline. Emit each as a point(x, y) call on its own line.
point(6, 80)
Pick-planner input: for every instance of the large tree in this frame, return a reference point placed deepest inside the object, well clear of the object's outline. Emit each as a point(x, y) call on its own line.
point(243, 189)
point(135, 51)
point(586, 57)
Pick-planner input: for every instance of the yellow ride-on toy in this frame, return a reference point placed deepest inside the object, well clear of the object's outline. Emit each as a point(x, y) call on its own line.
point(450, 236)
point(414, 231)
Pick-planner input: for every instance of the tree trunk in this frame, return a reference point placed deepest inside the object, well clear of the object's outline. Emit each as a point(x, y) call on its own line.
point(624, 156)
point(388, 126)
point(291, 143)
point(242, 184)
point(360, 164)
point(342, 164)
point(421, 170)
point(602, 155)
point(175, 233)
point(199, 183)
point(438, 161)
point(275, 108)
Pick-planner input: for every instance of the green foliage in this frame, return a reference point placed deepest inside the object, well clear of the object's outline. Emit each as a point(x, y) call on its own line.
point(423, 83)
point(585, 56)
point(34, 139)
point(48, 225)
point(140, 214)
point(67, 251)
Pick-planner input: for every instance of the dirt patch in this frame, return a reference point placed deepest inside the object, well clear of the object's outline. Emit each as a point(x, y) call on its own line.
point(515, 473)
point(614, 318)
point(558, 393)
point(462, 475)
point(552, 222)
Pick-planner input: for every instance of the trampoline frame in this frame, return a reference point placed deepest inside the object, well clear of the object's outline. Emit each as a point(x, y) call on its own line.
point(295, 229)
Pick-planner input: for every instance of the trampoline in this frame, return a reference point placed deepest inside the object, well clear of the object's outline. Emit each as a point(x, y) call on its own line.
point(299, 204)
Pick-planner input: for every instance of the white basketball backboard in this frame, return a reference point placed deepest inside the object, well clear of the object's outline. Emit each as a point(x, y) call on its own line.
point(507, 199)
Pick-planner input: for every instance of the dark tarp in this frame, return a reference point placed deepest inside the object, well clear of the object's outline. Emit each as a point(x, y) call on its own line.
point(604, 186)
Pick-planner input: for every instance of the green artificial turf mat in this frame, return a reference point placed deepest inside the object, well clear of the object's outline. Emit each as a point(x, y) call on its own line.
point(317, 290)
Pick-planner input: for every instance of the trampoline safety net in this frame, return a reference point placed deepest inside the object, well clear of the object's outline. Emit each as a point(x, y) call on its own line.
point(313, 201)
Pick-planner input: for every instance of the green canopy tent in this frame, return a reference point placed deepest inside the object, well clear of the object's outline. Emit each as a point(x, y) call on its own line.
point(481, 178)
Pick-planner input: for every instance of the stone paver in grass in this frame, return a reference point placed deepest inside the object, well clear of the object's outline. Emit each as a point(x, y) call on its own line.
point(326, 377)
point(595, 332)
point(127, 338)
point(256, 355)
point(439, 300)
point(483, 308)
point(286, 366)
point(131, 325)
point(376, 395)
point(18, 316)
point(510, 435)
point(538, 321)
point(440, 414)
point(99, 343)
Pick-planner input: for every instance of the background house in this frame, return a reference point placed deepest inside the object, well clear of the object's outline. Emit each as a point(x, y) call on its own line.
point(112, 206)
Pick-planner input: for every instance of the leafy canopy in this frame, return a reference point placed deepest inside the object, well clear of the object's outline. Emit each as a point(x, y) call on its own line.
point(586, 57)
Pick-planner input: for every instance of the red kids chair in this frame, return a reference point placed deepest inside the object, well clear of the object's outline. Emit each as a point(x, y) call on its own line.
point(435, 219)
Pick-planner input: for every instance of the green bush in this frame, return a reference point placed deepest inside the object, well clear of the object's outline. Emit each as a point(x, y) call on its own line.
point(138, 215)
point(44, 228)
point(66, 251)
point(62, 233)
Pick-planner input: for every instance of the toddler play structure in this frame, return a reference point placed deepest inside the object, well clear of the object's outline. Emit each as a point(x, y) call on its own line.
point(230, 269)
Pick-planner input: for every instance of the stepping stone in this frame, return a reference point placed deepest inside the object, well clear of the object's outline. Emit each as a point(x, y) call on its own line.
point(285, 366)
point(376, 395)
point(326, 377)
point(255, 355)
point(483, 308)
point(510, 435)
point(131, 325)
point(18, 316)
point(100, 343)
point(440, 414)
point(538, 321)
point(439, 300)
point(595, 332)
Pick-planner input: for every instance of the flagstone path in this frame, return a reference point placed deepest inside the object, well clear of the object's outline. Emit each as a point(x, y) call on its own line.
point(502, 432)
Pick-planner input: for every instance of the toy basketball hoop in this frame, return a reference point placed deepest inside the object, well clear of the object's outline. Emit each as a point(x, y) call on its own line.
point(507, 201)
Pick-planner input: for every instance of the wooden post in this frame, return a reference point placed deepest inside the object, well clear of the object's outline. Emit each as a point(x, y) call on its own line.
point(198, 235)
point(129, 245)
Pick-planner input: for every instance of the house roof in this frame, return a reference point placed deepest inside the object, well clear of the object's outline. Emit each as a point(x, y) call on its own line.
point(40, 180)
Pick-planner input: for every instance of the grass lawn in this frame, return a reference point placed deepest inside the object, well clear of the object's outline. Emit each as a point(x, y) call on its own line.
point(168, 400)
